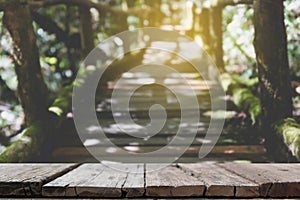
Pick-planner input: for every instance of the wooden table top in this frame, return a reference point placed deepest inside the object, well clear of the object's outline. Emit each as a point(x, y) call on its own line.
point(149, 180)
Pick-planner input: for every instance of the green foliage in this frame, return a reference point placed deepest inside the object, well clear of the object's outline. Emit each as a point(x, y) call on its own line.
point(60, 56)
point(289, 129)
point(11, 119)
point(62, 104)
point(243, 97)
point(251, 83)
point(238, 36)
point(245, 100)
point(292, 21)
point(229, 82)
point(59, 49)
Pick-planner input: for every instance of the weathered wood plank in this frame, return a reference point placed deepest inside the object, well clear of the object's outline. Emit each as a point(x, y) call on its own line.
point(27, 179)
point(251, 173)
point(171, 182)
point(106, 184)
point(289, 184)
point(182, 180)
point(220, 182)
point(192, 151)
point(275, 180)
point(65, 185)
point(135, 181)
point(97, 180)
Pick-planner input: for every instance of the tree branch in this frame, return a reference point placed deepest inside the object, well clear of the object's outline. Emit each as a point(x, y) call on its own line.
point(5, 4)
point(101, 7)
point(86, 30)
point(50, 26)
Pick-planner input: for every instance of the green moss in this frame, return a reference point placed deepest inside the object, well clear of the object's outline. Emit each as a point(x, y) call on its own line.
point(29, 144)
point(33, 138)
point(62, 104)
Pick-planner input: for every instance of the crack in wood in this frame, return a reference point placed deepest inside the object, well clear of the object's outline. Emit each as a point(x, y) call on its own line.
point(267, 194)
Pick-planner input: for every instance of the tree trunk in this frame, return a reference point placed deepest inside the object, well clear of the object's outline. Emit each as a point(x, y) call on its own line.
point(204, 29)
point(155, 15)
point(31, 86)
point(273, 71)
point(216, 30)
point(86, 30)
point(272, 61)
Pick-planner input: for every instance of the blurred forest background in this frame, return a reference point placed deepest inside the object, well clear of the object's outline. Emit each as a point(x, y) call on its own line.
point(61, 31)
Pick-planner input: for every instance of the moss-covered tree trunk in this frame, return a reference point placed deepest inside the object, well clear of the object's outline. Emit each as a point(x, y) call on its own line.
point(273, 68)
point(31, 86)
point(272, 61)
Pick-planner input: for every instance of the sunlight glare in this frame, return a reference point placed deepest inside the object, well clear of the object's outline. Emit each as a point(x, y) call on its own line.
point(91, 142)
point(131, 148)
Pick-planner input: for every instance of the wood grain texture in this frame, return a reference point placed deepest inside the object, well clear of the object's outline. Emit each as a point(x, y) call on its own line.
point(65, 185)
point(97, 180)
point(150, 180)
point(27, 179)
point(171, 182)
point(275, 180)
point(220, 182)
point(135, 181)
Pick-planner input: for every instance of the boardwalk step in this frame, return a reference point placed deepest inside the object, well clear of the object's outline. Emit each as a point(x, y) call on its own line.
point(191, 151)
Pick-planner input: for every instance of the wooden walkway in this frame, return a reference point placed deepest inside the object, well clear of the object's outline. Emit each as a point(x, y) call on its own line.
point(239, 141)
point(235, 143)
point(142, 180)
